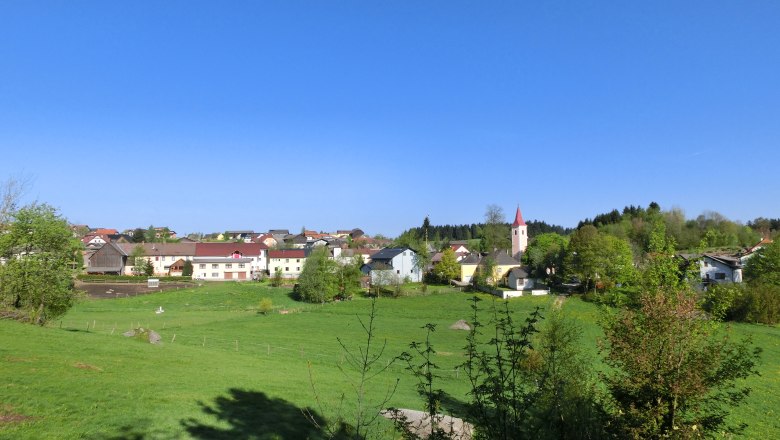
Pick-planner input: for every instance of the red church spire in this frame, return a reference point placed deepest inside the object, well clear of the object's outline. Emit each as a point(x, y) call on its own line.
point(518, 219)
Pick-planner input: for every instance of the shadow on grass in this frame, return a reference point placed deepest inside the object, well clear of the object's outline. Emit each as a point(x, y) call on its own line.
point(454, 407)
point(139, 430)
point(252, 414)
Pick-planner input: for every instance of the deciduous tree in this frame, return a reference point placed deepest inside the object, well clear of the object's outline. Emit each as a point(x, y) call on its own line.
point(671, 375)
point(41, 257)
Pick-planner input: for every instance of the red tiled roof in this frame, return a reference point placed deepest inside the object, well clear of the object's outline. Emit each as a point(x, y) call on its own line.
point(227, 249)
point(287, 253)
point(102, 231)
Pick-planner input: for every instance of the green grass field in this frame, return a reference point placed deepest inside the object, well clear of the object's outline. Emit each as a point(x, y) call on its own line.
point(226, 371)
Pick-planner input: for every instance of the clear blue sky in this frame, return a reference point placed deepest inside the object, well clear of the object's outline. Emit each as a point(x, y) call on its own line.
point(206, 116)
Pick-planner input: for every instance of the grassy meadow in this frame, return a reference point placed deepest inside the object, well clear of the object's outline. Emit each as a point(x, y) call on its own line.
point(226, 371)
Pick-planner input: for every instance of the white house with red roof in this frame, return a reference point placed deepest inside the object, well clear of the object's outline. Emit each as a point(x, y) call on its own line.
point(288, 262)
point(229, 261)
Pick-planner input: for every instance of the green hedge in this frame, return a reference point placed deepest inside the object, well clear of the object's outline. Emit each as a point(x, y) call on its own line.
point(129, 278)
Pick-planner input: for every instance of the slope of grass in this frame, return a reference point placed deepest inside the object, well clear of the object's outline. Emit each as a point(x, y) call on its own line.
point(225, 371)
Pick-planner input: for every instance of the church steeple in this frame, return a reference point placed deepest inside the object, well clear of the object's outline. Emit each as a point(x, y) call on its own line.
point(518, 218)
point(519, 235)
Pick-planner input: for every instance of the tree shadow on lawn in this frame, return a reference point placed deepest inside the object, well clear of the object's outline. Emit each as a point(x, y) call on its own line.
point(252, 414)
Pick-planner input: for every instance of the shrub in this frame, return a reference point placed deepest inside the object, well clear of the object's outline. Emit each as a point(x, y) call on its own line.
point(265, 306)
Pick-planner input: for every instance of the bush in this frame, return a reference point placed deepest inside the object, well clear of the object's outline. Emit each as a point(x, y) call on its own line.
point(753, 303)
point(266, 306)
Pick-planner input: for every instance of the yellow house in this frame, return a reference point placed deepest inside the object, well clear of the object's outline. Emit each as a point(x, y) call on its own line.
point(502, 262)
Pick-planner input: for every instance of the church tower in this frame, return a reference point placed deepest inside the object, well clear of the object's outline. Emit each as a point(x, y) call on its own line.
point(519, 235)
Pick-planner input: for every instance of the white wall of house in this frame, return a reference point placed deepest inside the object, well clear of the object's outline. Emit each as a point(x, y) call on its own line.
point(161, 263)
point(713, 270)
point(516, 283)
point(403, 265)
point(291, 267)
point(222, 269)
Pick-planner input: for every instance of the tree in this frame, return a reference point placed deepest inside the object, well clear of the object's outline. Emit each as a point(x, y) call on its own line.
point(670, 374)
point(593, 258)
point(318, 281)
point(662, 270)
point(545, 253)
point(349, 277)
point(139, 235)
point(137, 259)
point(11, 192)
point(501, 395)
point(566, 400)
point(41, 255)
point(276, 280)
point(495, 233)
point(764, 265)
point(448, 268)
point(187, 269)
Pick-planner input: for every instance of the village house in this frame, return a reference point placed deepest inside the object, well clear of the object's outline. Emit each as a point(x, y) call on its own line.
point(163, 256)
point(288, 262)
point(211, 254)
point(393, 263)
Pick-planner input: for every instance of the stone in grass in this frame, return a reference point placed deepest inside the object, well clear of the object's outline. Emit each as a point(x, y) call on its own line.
point(143, 334)
point(419, 424)
point(461, 325)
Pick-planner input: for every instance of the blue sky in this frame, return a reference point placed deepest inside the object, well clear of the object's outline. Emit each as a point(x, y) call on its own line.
point(207, 116)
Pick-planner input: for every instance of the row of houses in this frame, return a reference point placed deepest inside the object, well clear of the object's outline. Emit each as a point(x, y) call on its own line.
point(240, 261)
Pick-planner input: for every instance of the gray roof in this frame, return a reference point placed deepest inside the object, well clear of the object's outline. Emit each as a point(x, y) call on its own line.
point(388, 253)
point(519, 272)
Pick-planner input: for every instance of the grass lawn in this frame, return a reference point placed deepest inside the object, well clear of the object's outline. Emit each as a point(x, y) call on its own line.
point(226, 371)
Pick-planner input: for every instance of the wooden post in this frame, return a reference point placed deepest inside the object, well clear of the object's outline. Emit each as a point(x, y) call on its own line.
point(174, 338)
point(112, 330)
point(93, 324)
point(204, 341)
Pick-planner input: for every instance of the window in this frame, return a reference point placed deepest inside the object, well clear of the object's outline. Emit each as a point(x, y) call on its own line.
point(215, 266)
point(286, 260)
point(515, 231)
point(297, 269)
point(398, 271)
point(228, 266)
point(202, 266)
point(156, 258)
point(240, 265)
point(286, 269)
point(214, 275)
point(720, 276)
point(298, 260)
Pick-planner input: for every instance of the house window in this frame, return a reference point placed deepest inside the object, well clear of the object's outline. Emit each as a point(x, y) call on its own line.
point(297, 269)
point(515, 231)
point(240, 265)
point(706, 264)
point(286, 269)
point(286, 260)
point(398, 271)
point(720, 276)
point(298, 260)
point(214, 275)
point(215, 266)
point(156, 258)
point(202, 266)
point(228, 266)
